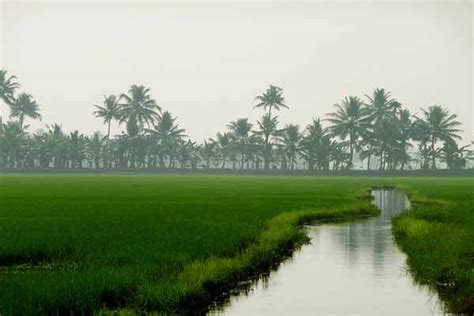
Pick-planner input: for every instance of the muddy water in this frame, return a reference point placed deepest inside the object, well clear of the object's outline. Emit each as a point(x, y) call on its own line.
point(349, 268)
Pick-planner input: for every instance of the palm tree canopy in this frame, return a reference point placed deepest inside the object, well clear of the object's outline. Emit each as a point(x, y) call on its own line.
point(291, 135)
point(404, 124)
point(209, 148)
point(55, 139)
point(267, 125)
point(439, 123)
point(315, 130)
point(378, 129)
point(290, 141)
point(110, 109)
point(94, 145)
point(8, 85)
point(76, 145)
point(55, 130)
point(12, 134)
point(25, 106)
point(382, 106)
point(139, 108)
point(166, 129)
point(350, 118)
point(272, 98)
point(224, 140)
point(240, 128)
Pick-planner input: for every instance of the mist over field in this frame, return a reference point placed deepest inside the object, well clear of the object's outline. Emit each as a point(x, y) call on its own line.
point(205, 62)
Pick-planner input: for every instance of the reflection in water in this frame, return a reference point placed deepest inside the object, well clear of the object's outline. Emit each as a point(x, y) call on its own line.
point(350, 268)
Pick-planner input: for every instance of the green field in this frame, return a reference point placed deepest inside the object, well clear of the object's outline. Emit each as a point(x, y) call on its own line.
point(155, 242)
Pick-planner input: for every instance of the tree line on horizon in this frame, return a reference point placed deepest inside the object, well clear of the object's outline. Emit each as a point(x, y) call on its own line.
point(377, 132)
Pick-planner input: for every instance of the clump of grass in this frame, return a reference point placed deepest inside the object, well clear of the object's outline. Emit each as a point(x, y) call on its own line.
point(438, 238)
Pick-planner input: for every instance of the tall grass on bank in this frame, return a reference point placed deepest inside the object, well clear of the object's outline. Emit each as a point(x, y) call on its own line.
point(438, 236)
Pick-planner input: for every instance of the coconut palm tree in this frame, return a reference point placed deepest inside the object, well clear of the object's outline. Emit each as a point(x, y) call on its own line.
point(369, 146)
point(381, 106)
point(12, 143)
point(108, 111)
point(338, 155)
point(55, 143)
point(138, 109)
point(271, 98)
point(39, 149)
point(224, 142)
point(268, 128)
point(405, 131)
point(167, 134)
point(8, 85)
point(382, 115)
point(95, 148)
point(24, 106)
point(290, 139)
point(240, 130)
point(120, 147)
point(141, 147)
point(350, 119)
point(454, 156)
point(437, 124)
point(314, 145)
point(188, 152)
point(388, 143)
point(209, 151)
point(254, 152)
point(420, 134)
point(76, 147)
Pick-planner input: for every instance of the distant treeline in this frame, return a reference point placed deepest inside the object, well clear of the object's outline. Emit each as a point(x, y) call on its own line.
point(374, 133)
point(250, 172)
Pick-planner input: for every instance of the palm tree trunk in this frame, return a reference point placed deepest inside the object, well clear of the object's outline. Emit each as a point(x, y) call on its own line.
point(171, 157)
point(266, 154)
point(433, 154)
point(162, 161)
point(351, 150)
point(108, 134)
point(107, 148)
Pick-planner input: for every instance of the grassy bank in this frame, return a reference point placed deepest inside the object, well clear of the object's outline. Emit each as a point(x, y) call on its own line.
point(437, 234)
point(170, 243)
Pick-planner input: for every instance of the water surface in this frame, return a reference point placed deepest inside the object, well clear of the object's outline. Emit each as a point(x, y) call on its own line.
point(349, 268)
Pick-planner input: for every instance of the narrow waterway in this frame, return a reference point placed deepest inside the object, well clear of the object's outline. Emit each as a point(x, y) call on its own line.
point(349, 268)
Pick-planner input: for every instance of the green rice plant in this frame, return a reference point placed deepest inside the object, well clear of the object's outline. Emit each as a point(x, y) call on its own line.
point(169, 243)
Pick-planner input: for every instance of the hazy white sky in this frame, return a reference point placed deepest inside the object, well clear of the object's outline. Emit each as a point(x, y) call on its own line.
point(206, 61)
